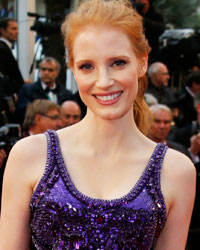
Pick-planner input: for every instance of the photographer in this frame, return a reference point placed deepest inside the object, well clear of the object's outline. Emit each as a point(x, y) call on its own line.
point(3, 157)
point(154, 25)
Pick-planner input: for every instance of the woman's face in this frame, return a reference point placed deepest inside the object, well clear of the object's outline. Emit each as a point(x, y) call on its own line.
point(107, 70)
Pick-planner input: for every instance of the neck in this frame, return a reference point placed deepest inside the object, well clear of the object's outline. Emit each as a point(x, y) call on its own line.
point(110, 135)
point(50, 84)
point(35, 130)
point(157, 140)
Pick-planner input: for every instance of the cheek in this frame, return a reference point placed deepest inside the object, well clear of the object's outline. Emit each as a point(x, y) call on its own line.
point(128, 78)
point(83, 81)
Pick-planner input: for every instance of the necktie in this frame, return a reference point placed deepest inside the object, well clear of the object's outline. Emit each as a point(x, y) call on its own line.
point(47, 90)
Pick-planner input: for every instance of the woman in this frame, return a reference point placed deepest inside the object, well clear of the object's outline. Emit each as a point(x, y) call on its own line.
point(97, 185)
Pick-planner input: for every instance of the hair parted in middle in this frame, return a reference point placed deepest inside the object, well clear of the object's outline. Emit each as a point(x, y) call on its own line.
point(117, 14)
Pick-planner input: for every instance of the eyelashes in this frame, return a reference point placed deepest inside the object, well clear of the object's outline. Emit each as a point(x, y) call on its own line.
point(119, 63)
point(85, 66)
point(116, 64)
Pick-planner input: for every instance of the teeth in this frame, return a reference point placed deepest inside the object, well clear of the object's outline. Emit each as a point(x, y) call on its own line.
point(108, 97)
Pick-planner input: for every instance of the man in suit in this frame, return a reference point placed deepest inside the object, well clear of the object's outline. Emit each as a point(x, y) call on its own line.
point(41, 115)
point(70, 113)
point(154, 25)
point(45, 88)
point(186, 99)
point(161, 125)
point(158, 83)
point(11, 76)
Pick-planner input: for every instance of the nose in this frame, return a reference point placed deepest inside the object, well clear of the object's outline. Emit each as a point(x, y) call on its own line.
point(58, 124)
point(71, 120)
point(162, 125)
point(104, 80)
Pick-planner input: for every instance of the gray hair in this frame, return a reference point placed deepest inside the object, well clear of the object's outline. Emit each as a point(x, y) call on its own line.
point(150, 99)
point(50, 59)
point(158, 107)
point(154, 68)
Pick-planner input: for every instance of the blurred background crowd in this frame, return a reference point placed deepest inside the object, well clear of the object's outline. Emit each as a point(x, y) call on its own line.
point(38, 91)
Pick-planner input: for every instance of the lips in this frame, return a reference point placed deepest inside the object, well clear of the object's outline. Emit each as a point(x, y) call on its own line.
point(108, 98)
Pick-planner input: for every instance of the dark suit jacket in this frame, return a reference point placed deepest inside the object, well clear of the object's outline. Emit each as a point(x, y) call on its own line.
point(177, 146)
point(163, 95)
point(183, 135)
point(33, 91)
point(186, 108)
point(9, 68)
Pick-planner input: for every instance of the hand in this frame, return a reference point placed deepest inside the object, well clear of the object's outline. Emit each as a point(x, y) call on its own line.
point(195, 144)
point(2, 157)
point(27, 81)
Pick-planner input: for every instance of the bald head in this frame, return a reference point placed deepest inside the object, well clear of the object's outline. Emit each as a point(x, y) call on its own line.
point(70, 113)
point(158, 74)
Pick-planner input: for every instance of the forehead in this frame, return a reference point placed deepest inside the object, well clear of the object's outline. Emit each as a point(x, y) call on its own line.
point(51, 64)
point(101, 38)
point(53, 111)
point(70, 107)
point(12, 24)
point(161, 115)
point(163, 68)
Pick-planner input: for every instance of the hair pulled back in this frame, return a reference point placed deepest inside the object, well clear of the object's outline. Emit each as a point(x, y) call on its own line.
point(119, 14)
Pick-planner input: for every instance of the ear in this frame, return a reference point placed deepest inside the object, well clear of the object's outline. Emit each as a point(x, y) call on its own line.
point(143, 64)
point(2, 31)
point(37, 118)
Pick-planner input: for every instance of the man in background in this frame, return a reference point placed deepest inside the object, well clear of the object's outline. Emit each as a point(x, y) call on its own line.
point(11, 76)
point(47, 87)
point(41, 115)
point(154, 25)
point(70, 113)
point(161, 126)
point(158, 83)
point(185, 99)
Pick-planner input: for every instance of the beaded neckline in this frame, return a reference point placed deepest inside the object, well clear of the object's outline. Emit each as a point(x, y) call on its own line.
point(131, 195)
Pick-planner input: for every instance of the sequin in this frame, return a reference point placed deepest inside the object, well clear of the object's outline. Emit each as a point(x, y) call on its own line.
point(63, 218)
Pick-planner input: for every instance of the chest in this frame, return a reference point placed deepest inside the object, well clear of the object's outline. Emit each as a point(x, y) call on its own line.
point(105, 177)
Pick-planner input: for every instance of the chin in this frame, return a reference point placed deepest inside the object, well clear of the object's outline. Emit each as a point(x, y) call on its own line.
point(111, 115)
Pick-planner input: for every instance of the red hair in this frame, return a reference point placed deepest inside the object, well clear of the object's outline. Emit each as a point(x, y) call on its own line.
point(115, 13)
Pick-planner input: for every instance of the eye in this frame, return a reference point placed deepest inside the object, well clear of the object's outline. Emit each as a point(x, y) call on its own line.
point(119, 63)
point(86, 66)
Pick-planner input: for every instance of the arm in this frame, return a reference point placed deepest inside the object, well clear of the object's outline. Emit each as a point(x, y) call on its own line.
point(20, 177)
point(2, 157)
point(178, 183)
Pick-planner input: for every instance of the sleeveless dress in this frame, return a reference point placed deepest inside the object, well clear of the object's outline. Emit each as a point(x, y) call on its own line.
point(61, 217)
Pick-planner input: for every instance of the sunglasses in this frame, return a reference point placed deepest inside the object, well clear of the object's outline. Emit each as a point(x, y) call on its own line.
point(52, 117)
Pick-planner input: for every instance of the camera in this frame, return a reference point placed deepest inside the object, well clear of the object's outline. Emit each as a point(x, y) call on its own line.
point(9, 135)
point(45, 26)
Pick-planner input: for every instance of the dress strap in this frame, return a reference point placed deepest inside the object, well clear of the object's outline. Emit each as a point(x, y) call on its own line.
point(51, 172)
point(159, 158)
point(161, 150)
point(51, 145)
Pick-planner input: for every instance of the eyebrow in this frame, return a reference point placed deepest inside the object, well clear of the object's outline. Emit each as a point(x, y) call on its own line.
point(110, 59)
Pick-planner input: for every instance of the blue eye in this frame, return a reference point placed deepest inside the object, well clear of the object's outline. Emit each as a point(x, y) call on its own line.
point(85, 66)
point(118, 63)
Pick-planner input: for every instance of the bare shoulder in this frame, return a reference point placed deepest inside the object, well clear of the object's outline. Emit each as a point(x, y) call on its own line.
point(178, 164)
point(178, 177)
point(28, 156)
point(30, 146)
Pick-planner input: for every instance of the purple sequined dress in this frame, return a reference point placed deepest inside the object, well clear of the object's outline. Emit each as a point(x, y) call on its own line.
point(64, 218)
